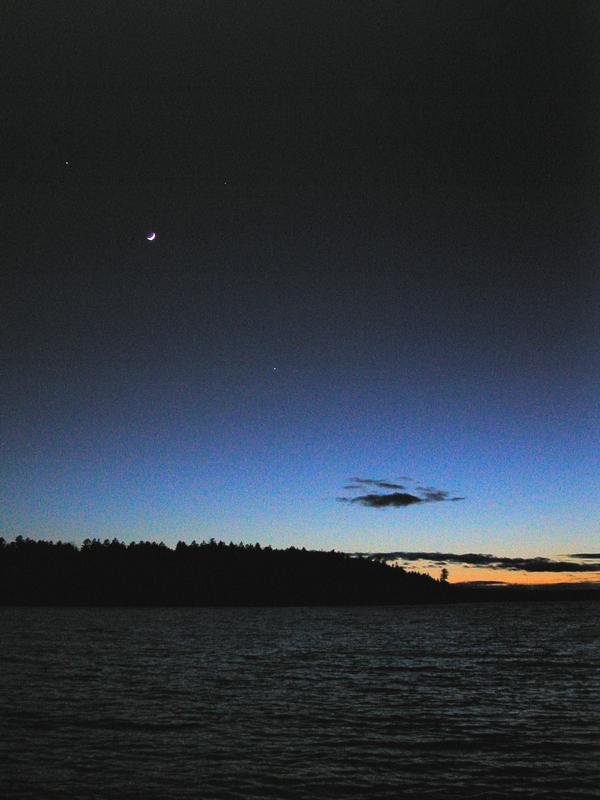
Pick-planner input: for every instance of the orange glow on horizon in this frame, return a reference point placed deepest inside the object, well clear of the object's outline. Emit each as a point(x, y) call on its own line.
point(458, 573)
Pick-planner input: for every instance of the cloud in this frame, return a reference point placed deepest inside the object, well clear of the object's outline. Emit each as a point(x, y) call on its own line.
point(475, 584)
point(537, 564)
point(358, 483)
point(394, 499)
point(584, 555)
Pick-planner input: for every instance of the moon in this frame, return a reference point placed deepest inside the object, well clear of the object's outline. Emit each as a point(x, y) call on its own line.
point(151, 236)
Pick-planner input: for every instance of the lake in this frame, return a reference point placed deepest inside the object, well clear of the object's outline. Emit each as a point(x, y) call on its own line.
point(489, 700)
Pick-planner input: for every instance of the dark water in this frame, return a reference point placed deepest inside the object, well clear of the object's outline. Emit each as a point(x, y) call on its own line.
point(468, 701)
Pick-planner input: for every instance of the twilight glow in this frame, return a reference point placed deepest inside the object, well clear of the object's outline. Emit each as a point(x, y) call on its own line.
point(385, 269)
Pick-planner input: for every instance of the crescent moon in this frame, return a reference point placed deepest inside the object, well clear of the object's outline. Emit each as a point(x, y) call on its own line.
point(151, 236)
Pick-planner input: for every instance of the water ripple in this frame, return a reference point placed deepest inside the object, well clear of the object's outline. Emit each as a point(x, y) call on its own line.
point(470, 701)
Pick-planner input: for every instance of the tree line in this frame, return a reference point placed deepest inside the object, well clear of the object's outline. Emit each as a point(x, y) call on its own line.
point(148, 573)
point(111, 572)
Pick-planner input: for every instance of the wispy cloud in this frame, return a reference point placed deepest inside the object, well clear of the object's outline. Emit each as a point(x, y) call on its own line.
point(584, 555)
point(359, 483)
point(394, 499)
point(537, 564)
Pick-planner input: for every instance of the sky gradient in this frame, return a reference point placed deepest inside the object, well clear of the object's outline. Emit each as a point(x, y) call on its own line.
point(376, 255)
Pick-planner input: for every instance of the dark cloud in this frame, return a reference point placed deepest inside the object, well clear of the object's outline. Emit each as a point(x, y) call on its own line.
point(394, 499)
point(476, 584)
point(584, 555)
point(546, 565)
point(537, 564)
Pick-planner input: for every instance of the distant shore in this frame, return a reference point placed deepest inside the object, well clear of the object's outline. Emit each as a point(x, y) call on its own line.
point(112, 573)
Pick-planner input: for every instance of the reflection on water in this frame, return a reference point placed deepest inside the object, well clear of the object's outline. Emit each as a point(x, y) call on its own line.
point(464, 701)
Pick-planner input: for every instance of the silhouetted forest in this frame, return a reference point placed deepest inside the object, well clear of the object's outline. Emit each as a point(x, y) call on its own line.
point(209, 573)
point(214, 573)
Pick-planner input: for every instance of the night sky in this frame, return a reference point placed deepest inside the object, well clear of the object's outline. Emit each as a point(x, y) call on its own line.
point(376, 262)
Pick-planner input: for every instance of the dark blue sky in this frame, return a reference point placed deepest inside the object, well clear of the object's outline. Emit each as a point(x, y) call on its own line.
point(376, 254)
